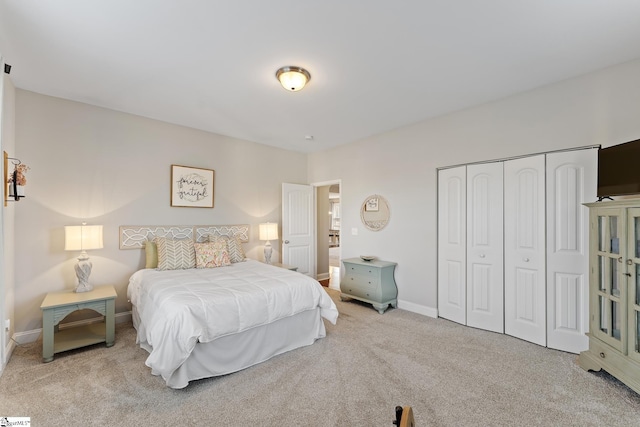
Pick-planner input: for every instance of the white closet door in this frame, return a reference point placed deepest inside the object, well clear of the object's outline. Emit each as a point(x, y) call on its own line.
point(452, 244)
point(571, 181)
point(485, 309)
point(524, 281)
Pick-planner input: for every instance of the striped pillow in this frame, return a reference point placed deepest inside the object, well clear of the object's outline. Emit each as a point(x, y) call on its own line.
point(234, 246)
point(175, 254)
point(212, 254)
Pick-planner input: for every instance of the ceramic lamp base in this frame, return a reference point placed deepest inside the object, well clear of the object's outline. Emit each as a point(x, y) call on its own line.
point(83, 271)
point(267, 252)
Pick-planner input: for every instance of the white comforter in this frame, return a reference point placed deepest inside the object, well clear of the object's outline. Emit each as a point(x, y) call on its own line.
point(178, 308)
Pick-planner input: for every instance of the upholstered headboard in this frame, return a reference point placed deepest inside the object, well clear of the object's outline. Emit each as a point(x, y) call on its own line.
point(134, 236)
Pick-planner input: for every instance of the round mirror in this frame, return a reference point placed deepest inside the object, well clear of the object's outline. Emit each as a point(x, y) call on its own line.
point(375, 212)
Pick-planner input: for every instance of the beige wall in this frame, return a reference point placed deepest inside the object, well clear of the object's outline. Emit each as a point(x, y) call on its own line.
point(599, 108)
point(8, 214)
point(106, 167)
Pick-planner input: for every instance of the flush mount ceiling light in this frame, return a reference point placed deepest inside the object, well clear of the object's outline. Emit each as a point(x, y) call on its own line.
point(293, 78)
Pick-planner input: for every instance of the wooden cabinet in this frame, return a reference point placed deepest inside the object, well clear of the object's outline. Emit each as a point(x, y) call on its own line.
point(371, 282)
point(614, 291)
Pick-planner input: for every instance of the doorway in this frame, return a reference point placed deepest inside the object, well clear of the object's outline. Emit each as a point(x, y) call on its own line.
point(328, 234)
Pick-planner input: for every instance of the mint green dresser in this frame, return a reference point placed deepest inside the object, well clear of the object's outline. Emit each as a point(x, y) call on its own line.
point(371, 282)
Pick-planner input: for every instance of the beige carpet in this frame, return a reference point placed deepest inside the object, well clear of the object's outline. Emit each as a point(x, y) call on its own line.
point(451, 375)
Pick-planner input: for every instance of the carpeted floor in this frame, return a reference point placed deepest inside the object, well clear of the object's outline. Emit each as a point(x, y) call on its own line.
point(451, 375)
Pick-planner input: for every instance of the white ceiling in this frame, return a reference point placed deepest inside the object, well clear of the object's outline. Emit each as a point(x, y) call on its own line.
point(376, 64)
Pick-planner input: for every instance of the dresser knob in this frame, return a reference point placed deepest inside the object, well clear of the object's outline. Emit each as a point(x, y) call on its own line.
point(602, 355)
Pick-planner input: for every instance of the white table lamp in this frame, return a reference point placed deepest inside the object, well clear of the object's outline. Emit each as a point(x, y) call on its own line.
point(83, 238)
point(268, 231)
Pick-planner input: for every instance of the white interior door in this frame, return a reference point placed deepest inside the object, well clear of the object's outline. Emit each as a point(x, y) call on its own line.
point(452, 245)
point(298, 221)
point(571, 181)
point(524, 236)
point(485, 308)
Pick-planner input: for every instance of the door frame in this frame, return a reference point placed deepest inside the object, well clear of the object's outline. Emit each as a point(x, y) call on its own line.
point(315, 186)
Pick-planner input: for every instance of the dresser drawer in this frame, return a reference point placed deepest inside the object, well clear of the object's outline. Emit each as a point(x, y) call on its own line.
point(361, 270)
point(366, 282)
point(363, 291)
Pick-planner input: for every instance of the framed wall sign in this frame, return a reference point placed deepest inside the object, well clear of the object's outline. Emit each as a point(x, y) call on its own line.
point(191, 187)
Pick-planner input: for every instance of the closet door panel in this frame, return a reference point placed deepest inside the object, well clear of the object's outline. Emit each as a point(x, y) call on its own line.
point(485, 309)
point(571, 181)
point(452, 244)
point(524, 281)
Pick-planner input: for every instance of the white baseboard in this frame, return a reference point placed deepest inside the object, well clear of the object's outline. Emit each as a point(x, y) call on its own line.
point(323, 276)
point(8, 351)
point(33, 335)
point(419, 309)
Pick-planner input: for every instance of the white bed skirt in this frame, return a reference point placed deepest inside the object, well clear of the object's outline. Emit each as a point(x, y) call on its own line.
point(232, 353)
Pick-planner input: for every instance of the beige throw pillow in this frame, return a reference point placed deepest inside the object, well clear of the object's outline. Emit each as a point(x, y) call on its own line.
point(175, 254)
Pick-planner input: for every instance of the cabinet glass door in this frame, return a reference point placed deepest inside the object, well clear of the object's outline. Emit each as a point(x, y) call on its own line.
point(633, 265)
point(607, 310)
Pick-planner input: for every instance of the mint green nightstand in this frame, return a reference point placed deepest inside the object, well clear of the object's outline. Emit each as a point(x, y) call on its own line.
point(371, 282)
point(57, 305)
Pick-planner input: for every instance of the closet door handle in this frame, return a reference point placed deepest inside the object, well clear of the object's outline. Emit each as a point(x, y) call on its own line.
point(286, 242)
point(481, 255)
point(525, 259)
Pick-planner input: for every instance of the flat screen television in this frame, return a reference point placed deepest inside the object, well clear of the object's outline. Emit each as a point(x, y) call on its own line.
point(619, 169)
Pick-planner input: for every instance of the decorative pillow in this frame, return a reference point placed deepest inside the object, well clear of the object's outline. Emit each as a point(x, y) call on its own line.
point(234, 246)
point(175, 254)
point(151, 250)
point(212, 254)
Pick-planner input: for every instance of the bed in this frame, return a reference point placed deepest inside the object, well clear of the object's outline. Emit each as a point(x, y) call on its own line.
point(202, 322)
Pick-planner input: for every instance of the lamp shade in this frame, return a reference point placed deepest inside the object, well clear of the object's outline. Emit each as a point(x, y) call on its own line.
point(82, 237)
point(293, 78)
point(268, 231)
